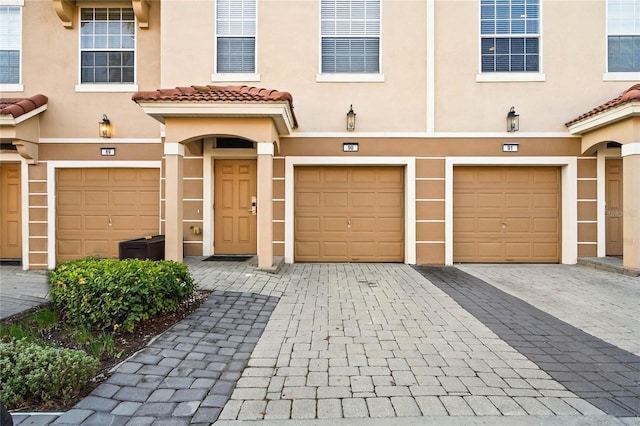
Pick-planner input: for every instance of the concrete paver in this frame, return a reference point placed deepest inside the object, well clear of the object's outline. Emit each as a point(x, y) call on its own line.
point(347, 343)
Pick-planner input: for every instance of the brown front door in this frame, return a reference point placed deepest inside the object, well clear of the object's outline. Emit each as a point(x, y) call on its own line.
point(10, 212)
point(613, 209)
point(235, 225)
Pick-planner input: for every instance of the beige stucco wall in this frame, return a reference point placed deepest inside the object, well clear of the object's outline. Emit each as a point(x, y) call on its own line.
point(51, 67)
point(572, 58)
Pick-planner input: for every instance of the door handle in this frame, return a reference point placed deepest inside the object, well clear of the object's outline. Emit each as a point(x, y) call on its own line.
point(253, 209)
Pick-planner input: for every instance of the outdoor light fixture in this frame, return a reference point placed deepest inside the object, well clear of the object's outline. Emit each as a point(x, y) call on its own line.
point(104, 127)
point(351, 119)
point(513, 121)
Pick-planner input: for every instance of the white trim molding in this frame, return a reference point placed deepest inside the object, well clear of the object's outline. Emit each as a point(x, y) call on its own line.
point(630, 149)
point(409, 191)
point(234, 77)
point(569, 209)
point(510, 77)
point(350, 78)
point(609, 116)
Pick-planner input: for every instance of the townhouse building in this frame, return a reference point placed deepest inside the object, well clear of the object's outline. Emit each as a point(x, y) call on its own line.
point(416, 131)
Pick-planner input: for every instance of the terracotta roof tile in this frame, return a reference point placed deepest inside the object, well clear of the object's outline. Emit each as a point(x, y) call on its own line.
point(629, 95)
point(217, 94)
point(18, 106)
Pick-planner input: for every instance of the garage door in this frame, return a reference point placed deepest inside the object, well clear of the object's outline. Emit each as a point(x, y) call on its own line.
point(506, 214)
point(98, 208)
point(345, 214)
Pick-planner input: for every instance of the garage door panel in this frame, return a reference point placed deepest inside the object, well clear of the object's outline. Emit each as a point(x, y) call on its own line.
point(95, 200)
point(464, 224)
point(96, 223)
point(489, 175)
point(334, 224)
point(518, 250)
point(70, 248)
point(96, 177)
point(513, 209)
point(517, 225)
point(124, 198)
point(149, 200)
point(518, 201)
point(121, 222)
point(490, 249)
point(517, 175)
point(393, 225)
point(464, 199)
point(307, 224)
point(356, 208)
point(545, 226)
point(68, 222)
point(548, 250)
point(363, 199)
point(97, 247)
point(307, 200)
point(549, 201)
point(390, 199)
point(490, 225)
point(336, 199)
point(69, 200)
point(490, 200)
point(335, 250)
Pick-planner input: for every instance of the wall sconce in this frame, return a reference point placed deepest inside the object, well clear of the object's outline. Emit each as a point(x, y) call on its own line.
point(104, 127)
point(351, 119)
point(513, 121)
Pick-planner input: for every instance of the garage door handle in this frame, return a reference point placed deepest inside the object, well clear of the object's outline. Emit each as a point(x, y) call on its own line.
point(110, 221)
point(348, 223)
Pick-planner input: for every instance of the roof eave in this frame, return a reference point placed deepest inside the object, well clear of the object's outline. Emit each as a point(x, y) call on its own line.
point(9, 120)
point(280, 112)
point(604, 118)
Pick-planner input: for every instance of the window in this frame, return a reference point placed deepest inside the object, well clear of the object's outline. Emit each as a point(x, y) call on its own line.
point(236, 36)
point(623, 35)
point(510, 35)
point(107, 46)
point(10, 44)
point(350, 33)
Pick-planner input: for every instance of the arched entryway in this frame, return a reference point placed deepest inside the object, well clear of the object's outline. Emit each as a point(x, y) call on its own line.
point(258, 116)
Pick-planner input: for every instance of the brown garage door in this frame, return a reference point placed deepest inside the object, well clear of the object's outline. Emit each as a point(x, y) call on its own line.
point(98, 208)
point(506, 214)
point(345, 214)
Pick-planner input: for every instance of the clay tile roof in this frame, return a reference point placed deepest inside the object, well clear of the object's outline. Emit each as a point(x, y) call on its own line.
point(216, 94)
point(629, 95)
point(19, 106)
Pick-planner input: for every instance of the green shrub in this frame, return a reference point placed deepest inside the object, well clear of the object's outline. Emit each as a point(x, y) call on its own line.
point(117, 294)
point(31, 371)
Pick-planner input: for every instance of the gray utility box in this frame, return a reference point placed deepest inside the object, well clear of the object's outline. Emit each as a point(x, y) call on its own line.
point(143, 248)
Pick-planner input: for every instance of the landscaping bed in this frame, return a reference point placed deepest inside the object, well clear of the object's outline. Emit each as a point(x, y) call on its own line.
point(95, 329)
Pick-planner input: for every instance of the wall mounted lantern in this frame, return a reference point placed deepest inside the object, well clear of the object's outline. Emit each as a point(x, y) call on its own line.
point(351, 119)
point(513, 121)
point(104, 127)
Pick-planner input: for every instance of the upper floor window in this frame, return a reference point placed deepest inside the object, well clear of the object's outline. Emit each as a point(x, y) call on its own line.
point(623, 35)
point(350, 33)
point(510, 35)
point(10, 44)
point(236, 22)
point(107, 46)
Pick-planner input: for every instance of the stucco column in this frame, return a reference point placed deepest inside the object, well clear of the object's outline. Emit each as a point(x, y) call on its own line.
point(631, 204)
point(265, 204)
point(174, 153)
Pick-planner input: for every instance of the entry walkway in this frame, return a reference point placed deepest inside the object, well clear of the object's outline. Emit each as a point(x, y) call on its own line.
point(341, 343)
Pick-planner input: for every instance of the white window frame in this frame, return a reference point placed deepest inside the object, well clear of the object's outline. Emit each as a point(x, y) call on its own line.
point(15, 87)
point(632, 76)
point(106, 87)
point(349, 77)
point(511, 76)
point(234, 76)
